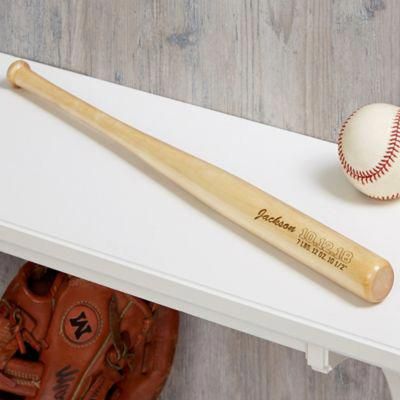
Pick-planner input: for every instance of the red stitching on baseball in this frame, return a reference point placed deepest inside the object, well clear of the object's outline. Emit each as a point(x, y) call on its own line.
point(389, 197)
point(383, 165)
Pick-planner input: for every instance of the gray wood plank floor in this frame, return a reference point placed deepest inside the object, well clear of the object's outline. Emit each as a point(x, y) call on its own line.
point(301, 65)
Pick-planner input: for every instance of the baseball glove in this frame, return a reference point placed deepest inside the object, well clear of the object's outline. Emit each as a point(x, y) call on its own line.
point(65, 338)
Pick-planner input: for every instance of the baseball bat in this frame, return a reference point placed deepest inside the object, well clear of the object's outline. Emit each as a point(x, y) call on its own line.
point(327, 252)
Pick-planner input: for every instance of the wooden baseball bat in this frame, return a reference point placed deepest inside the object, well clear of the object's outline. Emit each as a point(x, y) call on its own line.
point(325, 251)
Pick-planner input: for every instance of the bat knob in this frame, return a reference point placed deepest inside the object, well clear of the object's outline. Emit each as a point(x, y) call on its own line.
point(13, 70)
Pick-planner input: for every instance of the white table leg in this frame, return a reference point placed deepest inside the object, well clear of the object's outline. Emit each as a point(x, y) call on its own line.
point(321, 359)
point(393, 380)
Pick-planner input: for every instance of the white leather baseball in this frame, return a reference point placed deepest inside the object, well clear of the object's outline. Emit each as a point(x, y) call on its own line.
point(369, 150)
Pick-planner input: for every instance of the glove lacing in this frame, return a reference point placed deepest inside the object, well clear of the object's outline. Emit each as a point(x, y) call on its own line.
point(18, 333)
point(119, 354)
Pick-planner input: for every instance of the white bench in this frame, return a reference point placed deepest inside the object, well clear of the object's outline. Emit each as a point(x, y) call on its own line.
point(72, 203)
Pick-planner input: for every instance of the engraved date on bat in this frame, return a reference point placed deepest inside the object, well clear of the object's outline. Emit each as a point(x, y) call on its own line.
point(324, 249)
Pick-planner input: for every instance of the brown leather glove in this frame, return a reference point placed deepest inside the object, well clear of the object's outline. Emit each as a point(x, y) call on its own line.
point(88, 342)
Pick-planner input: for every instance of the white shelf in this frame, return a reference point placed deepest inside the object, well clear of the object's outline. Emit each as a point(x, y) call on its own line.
point(72, 203)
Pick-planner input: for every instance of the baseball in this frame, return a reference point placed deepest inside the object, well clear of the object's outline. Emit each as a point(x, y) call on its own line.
point(369, 146)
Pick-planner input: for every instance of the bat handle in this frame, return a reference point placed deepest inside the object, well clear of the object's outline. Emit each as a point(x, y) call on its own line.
point(20, 75)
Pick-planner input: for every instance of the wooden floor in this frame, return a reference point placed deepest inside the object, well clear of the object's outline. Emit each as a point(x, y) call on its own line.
point(302, 65)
